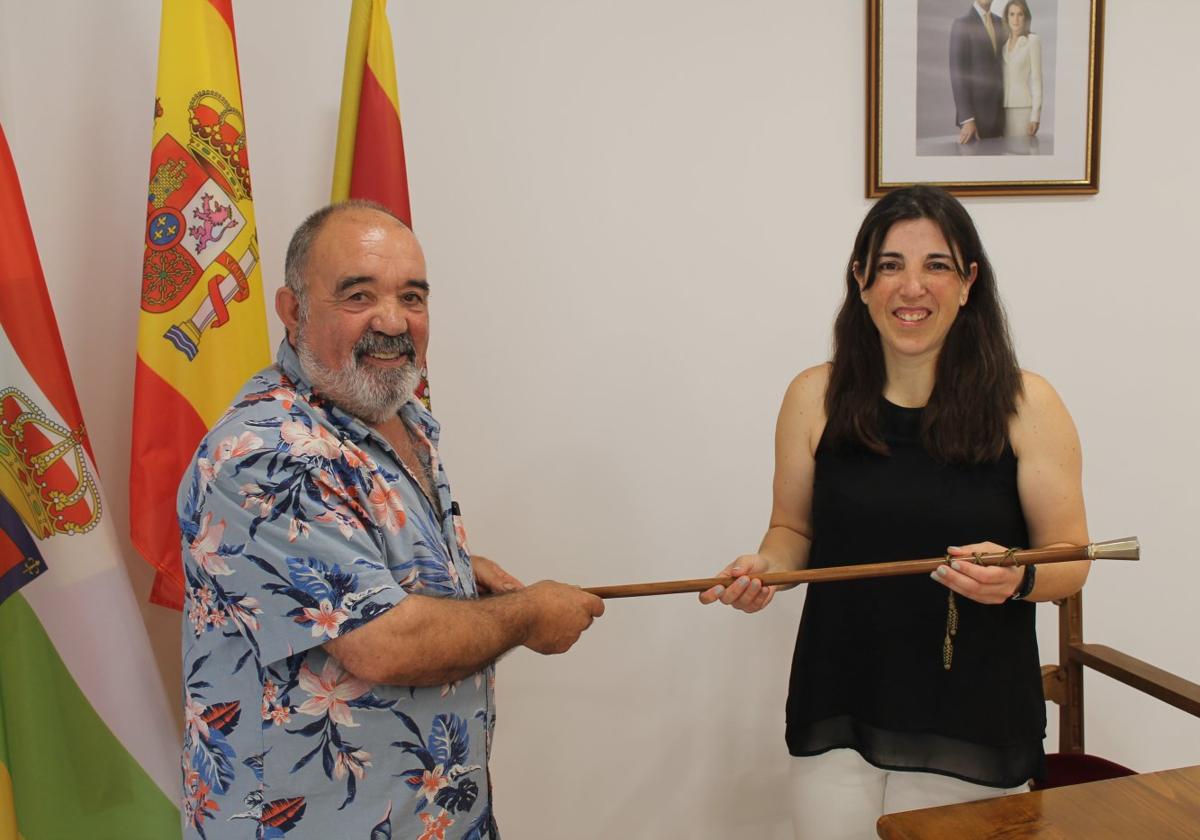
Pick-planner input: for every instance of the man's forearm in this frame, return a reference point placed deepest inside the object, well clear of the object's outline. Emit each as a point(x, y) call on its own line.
point(425, 641)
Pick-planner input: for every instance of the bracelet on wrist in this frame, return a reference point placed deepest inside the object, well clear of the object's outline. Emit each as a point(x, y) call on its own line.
point(1028, 580)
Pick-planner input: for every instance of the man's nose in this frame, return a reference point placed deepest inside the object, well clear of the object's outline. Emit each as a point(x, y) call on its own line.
point(390, 319)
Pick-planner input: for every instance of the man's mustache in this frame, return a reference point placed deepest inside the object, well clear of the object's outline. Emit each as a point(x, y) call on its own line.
point(377, 342)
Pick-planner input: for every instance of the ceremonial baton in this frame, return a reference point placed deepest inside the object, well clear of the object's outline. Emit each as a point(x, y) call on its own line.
point(1123, 549)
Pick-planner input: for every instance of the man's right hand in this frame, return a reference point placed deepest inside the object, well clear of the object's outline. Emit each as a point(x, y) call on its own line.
point(560, 614)
point(967, 133)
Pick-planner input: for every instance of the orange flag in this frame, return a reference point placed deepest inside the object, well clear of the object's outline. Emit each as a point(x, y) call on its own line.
point(202, 330)
point(369, 161)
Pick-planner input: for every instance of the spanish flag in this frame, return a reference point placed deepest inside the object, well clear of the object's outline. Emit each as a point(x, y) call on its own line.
point(202, 330)
point(369, 161)
point(87, 743)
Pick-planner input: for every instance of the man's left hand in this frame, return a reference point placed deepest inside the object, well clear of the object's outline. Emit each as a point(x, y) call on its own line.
point(985, 584)
point(491, 579)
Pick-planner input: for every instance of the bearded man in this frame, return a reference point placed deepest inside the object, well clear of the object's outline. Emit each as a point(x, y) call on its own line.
point(339, 638)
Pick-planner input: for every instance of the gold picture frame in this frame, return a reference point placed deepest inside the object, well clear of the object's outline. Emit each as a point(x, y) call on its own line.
point(927, 72)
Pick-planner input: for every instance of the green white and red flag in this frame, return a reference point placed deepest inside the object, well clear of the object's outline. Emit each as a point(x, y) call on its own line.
point(87, 744)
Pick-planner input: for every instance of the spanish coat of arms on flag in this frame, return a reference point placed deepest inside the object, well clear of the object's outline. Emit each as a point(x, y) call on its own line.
point(202, 329)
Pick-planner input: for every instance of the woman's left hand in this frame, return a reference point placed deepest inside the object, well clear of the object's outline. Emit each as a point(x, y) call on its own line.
point(1033, 127)
point(985, 584)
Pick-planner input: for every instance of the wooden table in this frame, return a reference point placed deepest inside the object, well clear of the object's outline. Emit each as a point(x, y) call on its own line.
point(1161, 806)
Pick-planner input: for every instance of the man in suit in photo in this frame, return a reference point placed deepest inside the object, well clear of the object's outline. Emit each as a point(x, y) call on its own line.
point(977, 73)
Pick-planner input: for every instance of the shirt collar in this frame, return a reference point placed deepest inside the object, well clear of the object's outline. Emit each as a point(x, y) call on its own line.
point(414, 412)
point(979, 10)
point(289, 363)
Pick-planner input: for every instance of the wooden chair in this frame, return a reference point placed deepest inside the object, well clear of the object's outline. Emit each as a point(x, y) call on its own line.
point(1063, 684)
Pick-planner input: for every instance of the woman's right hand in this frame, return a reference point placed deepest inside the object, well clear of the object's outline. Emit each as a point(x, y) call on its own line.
point(745, 594)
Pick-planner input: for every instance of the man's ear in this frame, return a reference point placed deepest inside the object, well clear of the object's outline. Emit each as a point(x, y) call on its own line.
point(287, 307)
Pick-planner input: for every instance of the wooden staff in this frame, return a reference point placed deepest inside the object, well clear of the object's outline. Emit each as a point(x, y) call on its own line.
point(1123, 549)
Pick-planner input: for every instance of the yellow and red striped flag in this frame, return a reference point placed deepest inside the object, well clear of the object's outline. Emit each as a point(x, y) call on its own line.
point(369, 161)
point(202, 330)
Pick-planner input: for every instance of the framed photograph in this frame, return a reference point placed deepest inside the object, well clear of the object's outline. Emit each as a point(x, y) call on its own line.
point(992, 97)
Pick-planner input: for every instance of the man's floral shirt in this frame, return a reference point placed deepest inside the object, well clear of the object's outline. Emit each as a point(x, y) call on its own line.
point(299, 525)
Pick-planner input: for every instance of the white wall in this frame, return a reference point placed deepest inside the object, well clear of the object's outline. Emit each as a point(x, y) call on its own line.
point(635, 216)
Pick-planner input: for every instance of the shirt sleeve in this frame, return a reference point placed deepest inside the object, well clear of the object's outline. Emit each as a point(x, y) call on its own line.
point(294, 558)
point(1035, 78)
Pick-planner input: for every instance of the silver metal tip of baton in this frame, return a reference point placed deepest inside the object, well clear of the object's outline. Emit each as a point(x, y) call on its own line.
point(1126, 548)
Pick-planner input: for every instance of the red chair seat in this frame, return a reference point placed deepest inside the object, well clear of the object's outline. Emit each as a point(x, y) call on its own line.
point(1077, 768)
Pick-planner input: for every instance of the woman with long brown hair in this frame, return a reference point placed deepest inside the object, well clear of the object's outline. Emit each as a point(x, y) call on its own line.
point(921, 437)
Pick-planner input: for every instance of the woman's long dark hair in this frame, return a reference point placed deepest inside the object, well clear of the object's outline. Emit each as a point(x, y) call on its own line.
point(977, 380)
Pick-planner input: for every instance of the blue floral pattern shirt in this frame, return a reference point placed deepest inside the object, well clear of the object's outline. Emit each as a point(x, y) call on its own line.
point(299, 525)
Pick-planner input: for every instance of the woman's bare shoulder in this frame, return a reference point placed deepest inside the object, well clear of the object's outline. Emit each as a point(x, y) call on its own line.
point(1036, 391)
point(808, 387)
point(1040, 411)
point(802, 416)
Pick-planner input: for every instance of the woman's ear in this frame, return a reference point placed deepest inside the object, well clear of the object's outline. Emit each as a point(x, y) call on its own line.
point(967, 282)
point(860, 279)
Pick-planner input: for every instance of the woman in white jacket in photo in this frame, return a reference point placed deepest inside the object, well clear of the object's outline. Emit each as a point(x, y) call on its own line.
point(1022, 73)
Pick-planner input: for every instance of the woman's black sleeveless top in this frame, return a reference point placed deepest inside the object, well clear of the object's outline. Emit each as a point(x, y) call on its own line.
point(868, 669)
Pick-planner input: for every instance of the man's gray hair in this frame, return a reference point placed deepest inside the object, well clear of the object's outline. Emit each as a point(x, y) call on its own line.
point(295, 264)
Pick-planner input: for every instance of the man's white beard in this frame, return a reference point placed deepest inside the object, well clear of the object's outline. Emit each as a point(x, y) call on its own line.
point(370, 394)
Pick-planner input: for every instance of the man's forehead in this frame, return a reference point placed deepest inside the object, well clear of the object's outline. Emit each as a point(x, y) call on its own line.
point(367, 221)
point(362, 233)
